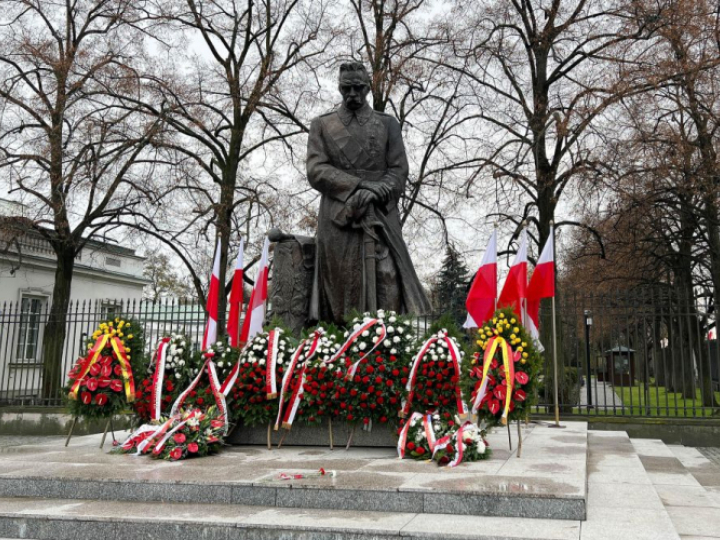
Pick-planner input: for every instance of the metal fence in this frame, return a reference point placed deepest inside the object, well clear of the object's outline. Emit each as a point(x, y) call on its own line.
point(644, 352)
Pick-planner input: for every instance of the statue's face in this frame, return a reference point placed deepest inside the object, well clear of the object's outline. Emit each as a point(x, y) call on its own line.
point(354, 91)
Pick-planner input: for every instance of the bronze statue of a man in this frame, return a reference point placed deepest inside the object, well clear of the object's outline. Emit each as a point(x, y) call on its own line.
point(356, 160)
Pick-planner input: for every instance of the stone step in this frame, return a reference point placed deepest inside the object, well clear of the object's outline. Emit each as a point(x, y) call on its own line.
point(59, 519)
point(548, 481)
point(622, 502)
point(688, 485)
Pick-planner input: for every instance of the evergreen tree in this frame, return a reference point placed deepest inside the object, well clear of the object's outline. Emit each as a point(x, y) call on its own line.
point(451, 287)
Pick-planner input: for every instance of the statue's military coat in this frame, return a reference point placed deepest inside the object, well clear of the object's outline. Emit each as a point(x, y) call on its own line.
point(344, 148)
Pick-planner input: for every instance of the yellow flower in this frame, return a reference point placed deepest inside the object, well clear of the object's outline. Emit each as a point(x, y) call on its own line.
point(479, 342)
point(110, 323)
point(495, 331)
point(128, 357)
point(89, 347)
point(522, 361)
point(120, 334)
point(473, 362)
point(513, 321)
point(494, 320)
point(513, 337)
point(516, 330)
point(525, 355)
point(502, 315)
point(520, 349)
point(130, 336)
point(524, 344)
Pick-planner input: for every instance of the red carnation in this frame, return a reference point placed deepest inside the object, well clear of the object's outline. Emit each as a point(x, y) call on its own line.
point(216, 424)
point(179, 438)
point(176, 453)
point(389, 382)
point(420, 450)
point(193, 447)
point(411, 446)
point(101, 399)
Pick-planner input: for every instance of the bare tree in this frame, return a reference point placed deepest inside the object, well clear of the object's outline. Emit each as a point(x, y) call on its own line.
point(227, 109)
point(66, 150)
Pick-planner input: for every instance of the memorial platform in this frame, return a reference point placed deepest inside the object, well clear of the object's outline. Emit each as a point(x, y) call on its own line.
point(567, 485)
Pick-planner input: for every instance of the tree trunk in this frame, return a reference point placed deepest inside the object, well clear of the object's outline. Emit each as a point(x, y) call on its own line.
point(54, 336)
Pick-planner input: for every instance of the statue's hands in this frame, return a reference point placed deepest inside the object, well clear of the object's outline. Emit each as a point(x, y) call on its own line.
point(361, 198)
point(381, 190)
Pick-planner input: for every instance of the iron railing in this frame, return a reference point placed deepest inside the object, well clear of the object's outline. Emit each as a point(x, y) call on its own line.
point(649, 353)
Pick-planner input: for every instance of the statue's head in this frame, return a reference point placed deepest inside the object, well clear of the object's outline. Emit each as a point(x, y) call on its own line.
point(354, 84)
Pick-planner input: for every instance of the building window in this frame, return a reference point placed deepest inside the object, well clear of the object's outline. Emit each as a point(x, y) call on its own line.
point(112, 261)
point(29, 328)
point(109, 310)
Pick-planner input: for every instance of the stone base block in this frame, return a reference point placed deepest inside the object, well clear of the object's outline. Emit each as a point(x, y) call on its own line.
point(382, 436)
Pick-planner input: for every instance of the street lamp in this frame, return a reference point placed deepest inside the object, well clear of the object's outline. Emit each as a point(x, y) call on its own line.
point(588, 324)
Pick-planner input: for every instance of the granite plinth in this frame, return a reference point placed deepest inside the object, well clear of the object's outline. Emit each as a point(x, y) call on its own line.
point(380, 436)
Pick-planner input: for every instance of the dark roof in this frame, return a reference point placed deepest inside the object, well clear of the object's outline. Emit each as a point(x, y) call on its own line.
point(619, 349)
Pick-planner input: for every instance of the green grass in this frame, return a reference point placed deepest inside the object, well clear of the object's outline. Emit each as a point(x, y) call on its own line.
point(660, 403)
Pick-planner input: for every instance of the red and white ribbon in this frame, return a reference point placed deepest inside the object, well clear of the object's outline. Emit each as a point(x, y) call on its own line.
point(297, 395)
point(353, 337)
point(429, 431)
point(137, 436)
point(159, 378)
point(457, 437)
point(208, 366)
point(402, 441)
point(271, 363)
point(159, 446)
point(290, 372)
point(454, 356)
point(159, 432)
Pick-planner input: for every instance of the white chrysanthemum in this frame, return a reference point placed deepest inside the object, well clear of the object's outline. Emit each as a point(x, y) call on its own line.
point(392, 319)
point(381, 313)
point(362, 346)
point(262, 362)
point(400, 329)
point(365, 333)
point(393, 351)
point(387, 343)
point(336, 346)
point(379, 331)
point(390, 329)
point(210, 351)
point(396, 339)
point(177, 375)
point(181, 362)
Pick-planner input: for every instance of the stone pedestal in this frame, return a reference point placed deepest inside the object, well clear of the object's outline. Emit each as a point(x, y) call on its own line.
point(379, 437)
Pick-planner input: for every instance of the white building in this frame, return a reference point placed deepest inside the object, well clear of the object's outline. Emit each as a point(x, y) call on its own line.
point(104, 274)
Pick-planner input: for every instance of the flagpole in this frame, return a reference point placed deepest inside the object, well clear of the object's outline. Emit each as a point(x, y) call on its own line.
point(554, 332)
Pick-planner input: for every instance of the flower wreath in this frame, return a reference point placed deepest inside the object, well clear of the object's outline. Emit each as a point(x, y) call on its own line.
point(169, 372)
point(102, 383)
point(322, 373)
point(506, 359)
point(434, 383)
point(430, 436)
point(193, 433)
point(317, 346)
point(253, 394)
point(376, 355)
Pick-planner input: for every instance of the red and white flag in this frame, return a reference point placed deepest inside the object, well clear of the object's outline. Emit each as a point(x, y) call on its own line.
point(482, 297)
point(210, 335)
point(255, 315)
point(236, 300)
point(514, 290)
point(542, 285)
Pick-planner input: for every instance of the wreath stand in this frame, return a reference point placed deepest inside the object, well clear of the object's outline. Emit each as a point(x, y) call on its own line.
point(108, 425)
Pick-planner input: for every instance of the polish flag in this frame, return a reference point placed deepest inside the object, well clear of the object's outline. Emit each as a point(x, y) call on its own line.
point(210, 335)
point(255, 316)
point(542, 284)
point(236, 300)
point(482, 297)
point(514, 290)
